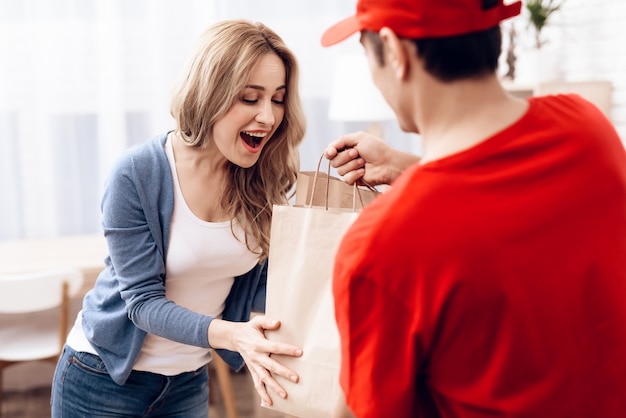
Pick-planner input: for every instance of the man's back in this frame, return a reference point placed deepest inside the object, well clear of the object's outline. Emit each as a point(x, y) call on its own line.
point(494, 278)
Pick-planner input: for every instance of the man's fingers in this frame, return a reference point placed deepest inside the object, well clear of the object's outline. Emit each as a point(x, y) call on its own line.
point(347, 156)
point(330, 152)
point(352, 176)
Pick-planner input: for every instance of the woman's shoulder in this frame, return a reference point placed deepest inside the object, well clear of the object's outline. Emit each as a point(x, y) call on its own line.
point(142, 158)
point(145, 163)
point(146, 152)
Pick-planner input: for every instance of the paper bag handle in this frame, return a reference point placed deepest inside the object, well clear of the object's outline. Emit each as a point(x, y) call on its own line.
point(355, 191)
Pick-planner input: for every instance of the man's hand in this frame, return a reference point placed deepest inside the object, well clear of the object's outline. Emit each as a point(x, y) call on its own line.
point(361, 157)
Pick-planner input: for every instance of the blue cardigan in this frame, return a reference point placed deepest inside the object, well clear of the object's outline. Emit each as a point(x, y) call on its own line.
point(128, 300)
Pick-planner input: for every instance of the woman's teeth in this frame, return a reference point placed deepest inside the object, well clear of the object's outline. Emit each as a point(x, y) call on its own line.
point(253, 138)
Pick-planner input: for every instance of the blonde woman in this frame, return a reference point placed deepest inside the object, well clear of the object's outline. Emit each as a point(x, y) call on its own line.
point(187, 217)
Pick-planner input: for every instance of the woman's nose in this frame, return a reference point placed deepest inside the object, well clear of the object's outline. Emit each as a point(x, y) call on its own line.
point(266, 113)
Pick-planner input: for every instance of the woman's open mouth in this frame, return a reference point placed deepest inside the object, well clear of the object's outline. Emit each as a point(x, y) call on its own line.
point(253, 139)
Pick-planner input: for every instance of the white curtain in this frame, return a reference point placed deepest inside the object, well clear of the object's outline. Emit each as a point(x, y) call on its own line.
point(81, 80)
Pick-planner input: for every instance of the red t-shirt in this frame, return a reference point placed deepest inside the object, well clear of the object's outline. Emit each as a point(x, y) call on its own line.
point(493, 282)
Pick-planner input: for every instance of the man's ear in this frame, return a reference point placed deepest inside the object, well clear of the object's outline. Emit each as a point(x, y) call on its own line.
point(396, 53)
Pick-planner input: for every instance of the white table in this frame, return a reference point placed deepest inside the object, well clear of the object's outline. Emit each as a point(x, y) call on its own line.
point(84, 252)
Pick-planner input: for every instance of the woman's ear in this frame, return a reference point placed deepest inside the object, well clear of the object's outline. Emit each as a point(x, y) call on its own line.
point(396, 53)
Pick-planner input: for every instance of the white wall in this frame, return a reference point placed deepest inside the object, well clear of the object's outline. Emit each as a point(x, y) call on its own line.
point(588, 40)
point(589, 37)
point(593, 37)
point(82, 80)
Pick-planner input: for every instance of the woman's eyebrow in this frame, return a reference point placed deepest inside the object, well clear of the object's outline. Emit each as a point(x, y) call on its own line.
point(261, 88)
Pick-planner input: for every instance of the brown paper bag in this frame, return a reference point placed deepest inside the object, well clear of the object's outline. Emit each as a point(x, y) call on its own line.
point(303, 242)
point(302, 247)
point(314, 188)
point(340, 194)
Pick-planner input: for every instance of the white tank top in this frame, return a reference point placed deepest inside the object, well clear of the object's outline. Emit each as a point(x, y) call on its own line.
point(202, 260)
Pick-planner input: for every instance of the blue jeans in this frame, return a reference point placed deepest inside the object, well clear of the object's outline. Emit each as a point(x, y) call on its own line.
point(83, 388)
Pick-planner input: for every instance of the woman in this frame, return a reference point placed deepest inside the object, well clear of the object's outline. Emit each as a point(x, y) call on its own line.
point(187, 220)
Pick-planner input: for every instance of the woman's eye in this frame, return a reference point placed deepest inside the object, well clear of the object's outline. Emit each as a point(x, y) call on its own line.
point(254, 100)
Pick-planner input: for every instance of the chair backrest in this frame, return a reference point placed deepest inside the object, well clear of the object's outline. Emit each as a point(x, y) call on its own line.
point(37, 291)
point(597, 92)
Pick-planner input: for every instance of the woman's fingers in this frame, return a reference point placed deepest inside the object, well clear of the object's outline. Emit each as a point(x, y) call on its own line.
point(273, 347)
point(275, 368)
point(263, 381)
point(270, 383)
point(265, 368)
point(266, 400)
point(262, 347)
point(266, 359)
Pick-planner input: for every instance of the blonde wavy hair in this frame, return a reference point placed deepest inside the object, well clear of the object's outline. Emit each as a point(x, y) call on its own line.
point(210, 84)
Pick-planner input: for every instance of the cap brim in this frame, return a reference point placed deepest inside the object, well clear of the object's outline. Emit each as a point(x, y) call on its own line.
point(340, 31)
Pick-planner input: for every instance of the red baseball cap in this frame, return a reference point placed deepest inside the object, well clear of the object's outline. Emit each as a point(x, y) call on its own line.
point(415, 19)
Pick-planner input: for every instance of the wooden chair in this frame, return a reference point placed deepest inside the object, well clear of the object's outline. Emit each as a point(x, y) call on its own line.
point(222, 372)
point(597, 92)
point(24, 338)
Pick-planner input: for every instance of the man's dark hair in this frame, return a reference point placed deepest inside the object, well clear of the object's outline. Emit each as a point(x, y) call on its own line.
point(454, 57)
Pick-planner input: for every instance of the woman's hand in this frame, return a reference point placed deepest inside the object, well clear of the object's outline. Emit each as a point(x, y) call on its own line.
point(364, 158)
point(248, 339)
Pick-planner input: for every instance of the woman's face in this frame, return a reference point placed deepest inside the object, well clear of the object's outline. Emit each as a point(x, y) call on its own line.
point(243, 131)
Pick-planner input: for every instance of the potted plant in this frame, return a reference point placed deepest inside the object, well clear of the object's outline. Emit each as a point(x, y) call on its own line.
point(539, 14)
point(539, 63)
point(510, 55)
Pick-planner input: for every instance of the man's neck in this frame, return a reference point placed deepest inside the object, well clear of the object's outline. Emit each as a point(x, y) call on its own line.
point(456, 116)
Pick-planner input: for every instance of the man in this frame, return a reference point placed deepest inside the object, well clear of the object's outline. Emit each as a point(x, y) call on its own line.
point(490, 279)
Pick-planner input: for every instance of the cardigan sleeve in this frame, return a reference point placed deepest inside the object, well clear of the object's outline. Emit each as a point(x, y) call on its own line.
point(247, 295)
point(136, 208)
